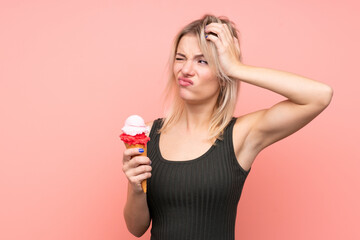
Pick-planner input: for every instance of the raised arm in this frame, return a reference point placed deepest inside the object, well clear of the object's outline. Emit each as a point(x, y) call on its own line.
point(306, 98)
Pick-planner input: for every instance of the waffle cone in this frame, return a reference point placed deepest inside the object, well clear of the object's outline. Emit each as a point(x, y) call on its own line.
point(143, 183)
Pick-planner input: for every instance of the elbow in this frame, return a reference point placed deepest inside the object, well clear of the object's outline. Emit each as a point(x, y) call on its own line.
point(136, 232)
point(135, 228)
point(137, 224)
point(324, 96)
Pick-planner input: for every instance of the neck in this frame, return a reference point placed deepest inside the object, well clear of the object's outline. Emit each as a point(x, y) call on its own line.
point(196, 117)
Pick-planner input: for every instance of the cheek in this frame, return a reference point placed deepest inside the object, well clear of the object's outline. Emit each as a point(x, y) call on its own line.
point(177, 67)
point(210, 78)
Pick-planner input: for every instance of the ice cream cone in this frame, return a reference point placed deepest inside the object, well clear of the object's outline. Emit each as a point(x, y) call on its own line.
point(143, 183)
point(134, 136)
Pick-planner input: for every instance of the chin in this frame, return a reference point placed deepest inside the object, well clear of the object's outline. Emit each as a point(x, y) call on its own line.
point(188, 99)
point(185, 95)
point(191, 98)
point(193, 101)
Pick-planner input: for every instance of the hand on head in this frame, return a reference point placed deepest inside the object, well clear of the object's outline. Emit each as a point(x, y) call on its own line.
point(227, 45)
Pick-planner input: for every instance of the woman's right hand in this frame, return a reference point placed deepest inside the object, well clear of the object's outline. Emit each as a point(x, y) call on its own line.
point(136, 168)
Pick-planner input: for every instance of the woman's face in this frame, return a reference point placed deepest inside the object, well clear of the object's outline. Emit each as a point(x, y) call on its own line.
point(197, 82)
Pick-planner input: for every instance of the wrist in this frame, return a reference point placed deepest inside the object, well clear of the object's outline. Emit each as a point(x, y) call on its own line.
point(237, 70)
point(134, 190)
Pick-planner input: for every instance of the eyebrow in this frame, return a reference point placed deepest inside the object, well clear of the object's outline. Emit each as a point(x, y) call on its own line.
point(196, 56)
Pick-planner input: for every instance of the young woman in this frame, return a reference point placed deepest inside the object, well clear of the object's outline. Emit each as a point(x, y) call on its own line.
point(199, 155)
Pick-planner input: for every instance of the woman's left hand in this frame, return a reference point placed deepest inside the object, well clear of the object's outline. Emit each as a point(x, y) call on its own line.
point(227, 46)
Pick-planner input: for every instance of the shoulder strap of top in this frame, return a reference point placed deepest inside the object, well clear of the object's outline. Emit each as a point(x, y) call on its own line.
point(228, 142)
point(155, 127)
point(227, 138)
point(229, 130)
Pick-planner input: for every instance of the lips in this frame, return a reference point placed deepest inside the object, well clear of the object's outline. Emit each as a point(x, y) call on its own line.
point(185, 82)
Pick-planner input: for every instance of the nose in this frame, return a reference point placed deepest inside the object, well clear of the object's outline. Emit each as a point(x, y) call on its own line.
point(188, 68)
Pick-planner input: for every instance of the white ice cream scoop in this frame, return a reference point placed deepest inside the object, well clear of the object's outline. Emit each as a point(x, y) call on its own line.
point(135, 125)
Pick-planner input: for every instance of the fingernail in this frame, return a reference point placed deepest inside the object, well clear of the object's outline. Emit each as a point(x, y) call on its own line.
point(141, 150)
point(150, 162)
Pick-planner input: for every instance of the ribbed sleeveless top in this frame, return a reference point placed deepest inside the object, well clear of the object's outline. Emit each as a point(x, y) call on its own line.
point(195, 199)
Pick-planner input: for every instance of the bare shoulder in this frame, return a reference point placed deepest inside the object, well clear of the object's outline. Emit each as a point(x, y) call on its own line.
point(149, 124)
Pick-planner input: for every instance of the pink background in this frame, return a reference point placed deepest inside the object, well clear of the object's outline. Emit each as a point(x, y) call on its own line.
point(69, 73)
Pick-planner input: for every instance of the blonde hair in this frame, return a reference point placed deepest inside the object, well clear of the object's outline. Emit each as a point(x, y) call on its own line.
point(225, 104)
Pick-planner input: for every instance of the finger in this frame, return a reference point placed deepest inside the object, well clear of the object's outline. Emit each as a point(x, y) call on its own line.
point(131, 152)
point(215, 40)
point(139, 178)
point(137, 161)
point(224, 35)
point(221, 30)
point(229, 35)
point(223, 42)
point(212, 29)
point(138, 170)
point(213, 26)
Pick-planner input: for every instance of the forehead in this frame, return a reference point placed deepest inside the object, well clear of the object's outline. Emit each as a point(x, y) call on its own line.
point(189, 45)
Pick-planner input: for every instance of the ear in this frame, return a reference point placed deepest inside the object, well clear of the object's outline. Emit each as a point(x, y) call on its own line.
point(222, 84)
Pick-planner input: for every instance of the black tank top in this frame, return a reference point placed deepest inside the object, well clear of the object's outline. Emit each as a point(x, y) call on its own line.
point(195, 199)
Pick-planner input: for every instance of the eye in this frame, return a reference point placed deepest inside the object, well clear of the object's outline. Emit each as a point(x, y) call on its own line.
point(179, 59)
point(203, 62)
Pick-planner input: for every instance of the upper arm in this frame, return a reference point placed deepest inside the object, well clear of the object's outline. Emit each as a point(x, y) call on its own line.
point(281, 120)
